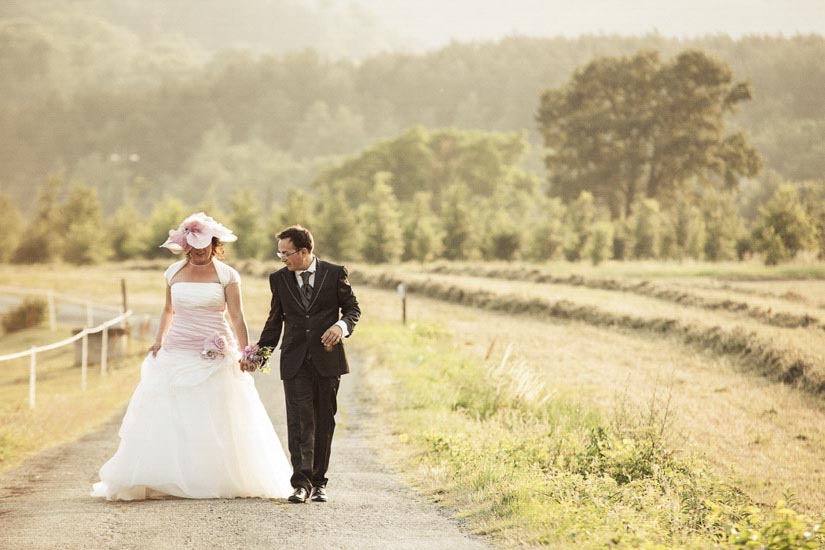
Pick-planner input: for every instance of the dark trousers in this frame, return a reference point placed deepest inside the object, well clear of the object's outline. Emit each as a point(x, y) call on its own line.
point(311, 404)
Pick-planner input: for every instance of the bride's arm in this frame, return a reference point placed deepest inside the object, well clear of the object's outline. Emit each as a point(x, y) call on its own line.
point(165, 320)
point(235, 308)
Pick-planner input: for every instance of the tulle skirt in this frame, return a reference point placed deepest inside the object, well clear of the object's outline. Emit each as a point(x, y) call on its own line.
point(195, 428)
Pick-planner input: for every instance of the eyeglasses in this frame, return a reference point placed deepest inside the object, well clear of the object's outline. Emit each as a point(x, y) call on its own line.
point(285, 255)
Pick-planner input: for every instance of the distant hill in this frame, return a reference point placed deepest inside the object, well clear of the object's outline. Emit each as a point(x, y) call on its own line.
point(88, 82)
point(335, 29)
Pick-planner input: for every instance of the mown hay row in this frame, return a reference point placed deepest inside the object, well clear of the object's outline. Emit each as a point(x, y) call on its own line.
point(647, 289)
point(785, 365)
point(788, 295)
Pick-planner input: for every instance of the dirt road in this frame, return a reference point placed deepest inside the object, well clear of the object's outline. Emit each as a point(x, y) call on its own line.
point(45, 502)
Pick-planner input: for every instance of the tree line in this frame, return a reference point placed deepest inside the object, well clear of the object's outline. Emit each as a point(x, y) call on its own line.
point(425, 195)
point(86, 100)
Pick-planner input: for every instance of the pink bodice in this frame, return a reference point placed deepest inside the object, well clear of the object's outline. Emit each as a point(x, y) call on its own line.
point(200, 312)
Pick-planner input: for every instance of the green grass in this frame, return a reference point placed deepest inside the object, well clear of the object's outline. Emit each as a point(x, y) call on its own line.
point(529, 466)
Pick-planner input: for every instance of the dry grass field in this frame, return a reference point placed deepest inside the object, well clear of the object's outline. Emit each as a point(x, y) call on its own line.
point(618, 342)
point(63, 410)
point(768, 435)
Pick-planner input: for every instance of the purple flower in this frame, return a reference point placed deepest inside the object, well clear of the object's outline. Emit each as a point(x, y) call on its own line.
point(259, 356)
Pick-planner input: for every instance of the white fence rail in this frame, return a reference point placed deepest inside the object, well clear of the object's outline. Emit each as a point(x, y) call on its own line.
point(84, 357)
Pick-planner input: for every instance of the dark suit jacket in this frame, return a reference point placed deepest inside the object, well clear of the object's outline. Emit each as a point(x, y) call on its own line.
point(332, 299)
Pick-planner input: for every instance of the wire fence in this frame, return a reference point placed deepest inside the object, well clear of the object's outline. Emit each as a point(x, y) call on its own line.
point(82, 335)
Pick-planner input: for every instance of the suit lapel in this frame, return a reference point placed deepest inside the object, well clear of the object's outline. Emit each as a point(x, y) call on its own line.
point(292, 287)
point(320, 276)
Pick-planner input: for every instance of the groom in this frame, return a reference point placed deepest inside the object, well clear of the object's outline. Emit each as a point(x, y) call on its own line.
point(313, 302)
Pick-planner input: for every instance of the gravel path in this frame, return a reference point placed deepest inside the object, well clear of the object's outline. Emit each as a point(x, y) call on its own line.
point(45, 502)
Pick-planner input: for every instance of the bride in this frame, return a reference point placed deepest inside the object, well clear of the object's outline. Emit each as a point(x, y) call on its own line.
point(195, 426)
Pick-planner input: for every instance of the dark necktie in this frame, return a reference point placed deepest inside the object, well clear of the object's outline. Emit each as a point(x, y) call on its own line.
point(306, 289)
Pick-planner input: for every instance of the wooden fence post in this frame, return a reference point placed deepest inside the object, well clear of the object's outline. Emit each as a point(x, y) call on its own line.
point(402, 293)
point(52, 312)
point(124, 324)
point(32, 377)
point(84, 359)
point(104, 350)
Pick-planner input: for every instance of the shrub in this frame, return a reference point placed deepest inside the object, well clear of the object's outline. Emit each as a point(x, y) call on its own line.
point(503, 238)
point(723, 226)
point(578, 222)
point(548, 235)
point(784, 227)
point(622, 239)
point(28, 314)
point(601, 243)
point(383, 239)
point(647, 224)
point(690, 231)
point(782, 527)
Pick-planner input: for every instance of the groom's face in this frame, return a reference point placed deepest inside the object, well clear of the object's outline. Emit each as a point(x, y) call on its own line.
point(293, 259)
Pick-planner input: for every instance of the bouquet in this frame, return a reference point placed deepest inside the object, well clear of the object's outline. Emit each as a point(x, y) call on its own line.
point(214, 346)
point(259, 356)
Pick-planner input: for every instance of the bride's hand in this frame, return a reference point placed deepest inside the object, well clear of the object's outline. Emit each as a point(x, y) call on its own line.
point(154, 349)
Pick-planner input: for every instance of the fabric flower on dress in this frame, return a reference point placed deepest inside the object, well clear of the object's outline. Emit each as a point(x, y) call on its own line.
point(214, 346)
point(197, 231)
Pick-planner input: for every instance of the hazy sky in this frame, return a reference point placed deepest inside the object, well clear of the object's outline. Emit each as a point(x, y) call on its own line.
point(435, 22)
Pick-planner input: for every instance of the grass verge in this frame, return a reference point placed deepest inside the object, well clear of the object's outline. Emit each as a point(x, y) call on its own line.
point(532, 467)
point(63, 411)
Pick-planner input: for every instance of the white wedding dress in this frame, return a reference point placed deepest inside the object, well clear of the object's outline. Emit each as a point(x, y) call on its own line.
point(196, 427)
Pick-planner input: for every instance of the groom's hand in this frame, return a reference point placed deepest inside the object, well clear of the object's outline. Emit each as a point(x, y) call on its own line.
point(247, 365)
point(332, 335)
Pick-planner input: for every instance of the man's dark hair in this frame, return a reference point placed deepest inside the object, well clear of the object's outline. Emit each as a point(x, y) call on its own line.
point(300, 237)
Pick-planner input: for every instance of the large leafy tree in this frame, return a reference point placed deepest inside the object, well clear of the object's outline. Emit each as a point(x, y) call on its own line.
point(626, 128)
point(431, 160)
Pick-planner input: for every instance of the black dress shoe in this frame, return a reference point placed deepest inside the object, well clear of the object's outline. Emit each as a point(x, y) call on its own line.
point(319, 494)
point(299, 495)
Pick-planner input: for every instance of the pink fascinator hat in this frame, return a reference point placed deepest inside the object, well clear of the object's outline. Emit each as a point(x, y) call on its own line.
point(197, 231)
